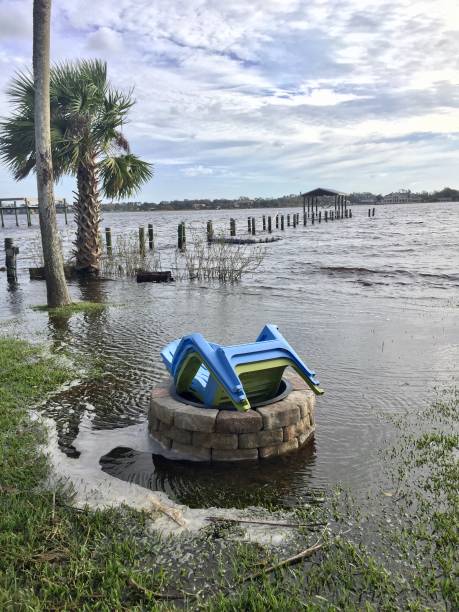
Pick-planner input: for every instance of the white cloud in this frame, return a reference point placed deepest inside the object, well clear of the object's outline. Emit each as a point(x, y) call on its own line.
point(273, 92)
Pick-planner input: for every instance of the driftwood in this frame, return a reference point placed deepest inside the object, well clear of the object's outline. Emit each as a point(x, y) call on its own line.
point(174, 515)
point(218, 519)
point(304, 554)
point(143, 276)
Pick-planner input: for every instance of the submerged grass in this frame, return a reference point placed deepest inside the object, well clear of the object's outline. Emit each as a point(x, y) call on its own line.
point(57, 557)
point(72, 308)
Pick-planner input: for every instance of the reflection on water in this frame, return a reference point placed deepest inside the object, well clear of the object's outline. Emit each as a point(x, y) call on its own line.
point(370, 304)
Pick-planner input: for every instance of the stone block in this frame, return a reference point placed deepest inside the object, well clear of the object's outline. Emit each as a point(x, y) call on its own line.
point(215, 440)
point(235, 422)
point(305, 437)
point(239, 454)
point(164, 440)
point(195, 419)
point(295, 380)
point(281, 414)
point(163, 408)
point(153, 424)
point(279, 449)
point(308, 406)
point(293, 431)
point(161, 390)
point(191, 453)
point(266, 437)
point(179, 435)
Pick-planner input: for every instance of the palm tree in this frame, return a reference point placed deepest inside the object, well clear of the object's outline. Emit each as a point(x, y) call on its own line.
point(87, 115)
point(56, 285)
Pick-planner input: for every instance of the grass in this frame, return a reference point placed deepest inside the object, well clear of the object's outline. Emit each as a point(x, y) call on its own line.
point(56, 557)
point(72, 308)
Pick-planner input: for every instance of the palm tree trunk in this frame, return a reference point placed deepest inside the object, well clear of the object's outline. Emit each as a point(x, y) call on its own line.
point(87, 217)
point(56, 286)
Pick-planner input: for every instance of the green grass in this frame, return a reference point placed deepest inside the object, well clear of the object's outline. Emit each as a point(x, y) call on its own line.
point(72, 308)
point(56, 557)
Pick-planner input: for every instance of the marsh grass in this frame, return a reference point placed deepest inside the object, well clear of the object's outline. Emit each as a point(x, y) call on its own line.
point(220, 261)
point(126, 257)
point(73, 308)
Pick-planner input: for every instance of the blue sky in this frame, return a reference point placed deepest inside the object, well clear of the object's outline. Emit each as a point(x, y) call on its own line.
point(266, 97)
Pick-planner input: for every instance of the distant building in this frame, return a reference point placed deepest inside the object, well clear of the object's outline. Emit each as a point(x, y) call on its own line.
point(403, 196)
point(365, 197)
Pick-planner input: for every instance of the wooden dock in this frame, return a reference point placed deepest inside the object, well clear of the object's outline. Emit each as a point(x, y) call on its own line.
point(18, 206)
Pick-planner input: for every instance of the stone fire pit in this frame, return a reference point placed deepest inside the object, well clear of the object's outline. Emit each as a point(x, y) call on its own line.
point(205, 434)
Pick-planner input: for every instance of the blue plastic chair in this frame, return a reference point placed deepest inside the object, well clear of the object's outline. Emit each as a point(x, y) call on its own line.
point(220, 375)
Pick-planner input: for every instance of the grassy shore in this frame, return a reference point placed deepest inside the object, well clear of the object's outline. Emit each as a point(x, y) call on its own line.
point(56, 557)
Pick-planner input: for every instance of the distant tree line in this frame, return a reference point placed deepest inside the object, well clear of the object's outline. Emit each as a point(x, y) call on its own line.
point(293, 200)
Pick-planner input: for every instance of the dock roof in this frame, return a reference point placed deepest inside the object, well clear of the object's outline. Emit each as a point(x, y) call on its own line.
point(321, 191)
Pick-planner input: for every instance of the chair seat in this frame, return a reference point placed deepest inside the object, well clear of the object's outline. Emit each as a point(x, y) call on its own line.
point(218, 375)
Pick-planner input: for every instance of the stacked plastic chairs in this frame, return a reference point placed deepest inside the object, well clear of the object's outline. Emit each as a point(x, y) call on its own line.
point(219, 376)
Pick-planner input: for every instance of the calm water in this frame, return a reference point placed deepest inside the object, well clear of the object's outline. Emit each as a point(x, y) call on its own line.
point(370, 304)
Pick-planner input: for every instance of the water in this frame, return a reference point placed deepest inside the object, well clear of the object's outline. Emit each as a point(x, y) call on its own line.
point(370, 303)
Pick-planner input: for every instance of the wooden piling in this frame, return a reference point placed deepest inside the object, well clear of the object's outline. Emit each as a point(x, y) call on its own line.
point(181, 242)
point(312, 217)
point(294, 220)
point(288, 220)
point(1, 215)
point(369, 212)
point(277, 221)
point(16, 213)
point(249, 225)
point(373, 212)
point(350, 213)
point(209, 231)
point(253, 226)
point(142, 249)
point(65, 212)
point(232, 227)
point(320, 216)
point(270, 229)
point(264, 222)
point(108, 240)
point(282, 222)
point(11, 252)
point(151, 238)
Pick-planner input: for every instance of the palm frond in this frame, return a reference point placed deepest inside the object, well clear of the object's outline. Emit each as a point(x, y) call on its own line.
point(123, 175)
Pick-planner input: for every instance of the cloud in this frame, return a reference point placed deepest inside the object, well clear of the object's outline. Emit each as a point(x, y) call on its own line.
point(270, 95)
point(104, 39)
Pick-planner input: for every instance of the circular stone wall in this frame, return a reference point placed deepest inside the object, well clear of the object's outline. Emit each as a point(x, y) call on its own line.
point(206, 434)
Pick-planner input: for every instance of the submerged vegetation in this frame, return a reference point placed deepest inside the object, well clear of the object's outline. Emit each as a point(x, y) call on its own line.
point(400, 552)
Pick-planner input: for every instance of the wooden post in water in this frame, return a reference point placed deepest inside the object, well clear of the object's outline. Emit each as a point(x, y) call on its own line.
point(253, 226)
point(210, 231)
point(108, 240)
point(294, 220)
point(320, 216)
point(151, 237)
point(65, 212)
point(232, 227)
point(142, 249)
point(369, 212)
point(1, 215)
point(249, 225)
point(350, 213)
point(11, 252)
point(282, 222)
point(374, 212)
point(28, 213)
point(270, 228)
point(16, 214)
point(181, 242)
point(326, 216)
point(277, 221)
point(312, 217)
point(288, 220)
point(264, 223)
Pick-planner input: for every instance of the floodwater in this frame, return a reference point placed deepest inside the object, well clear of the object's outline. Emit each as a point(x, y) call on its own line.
point(372, 304)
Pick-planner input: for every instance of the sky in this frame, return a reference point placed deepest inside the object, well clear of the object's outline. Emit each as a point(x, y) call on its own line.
point(265, 97)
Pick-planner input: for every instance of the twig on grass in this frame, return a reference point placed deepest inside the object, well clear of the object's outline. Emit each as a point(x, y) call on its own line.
point(256, 522)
